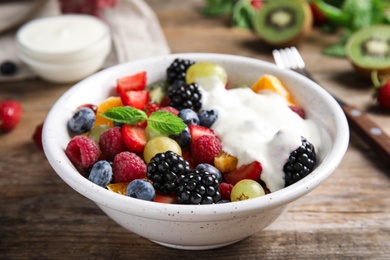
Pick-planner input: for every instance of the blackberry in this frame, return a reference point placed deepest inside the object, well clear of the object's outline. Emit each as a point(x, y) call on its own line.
point(8, 68)
point(177, 70)
point(164, 170)
point(300, 163)
point(185, 96)
point(198, 187)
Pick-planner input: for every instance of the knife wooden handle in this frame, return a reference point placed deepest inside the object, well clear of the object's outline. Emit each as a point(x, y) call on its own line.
point(369, 131)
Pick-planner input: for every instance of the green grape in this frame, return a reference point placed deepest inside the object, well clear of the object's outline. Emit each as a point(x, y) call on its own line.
point(246, 189)
point(97, 131)
point(205, 69)
point(150, 133)
point(160, 144)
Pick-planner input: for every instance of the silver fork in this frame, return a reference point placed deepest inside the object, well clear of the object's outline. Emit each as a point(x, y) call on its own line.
point(359, 121)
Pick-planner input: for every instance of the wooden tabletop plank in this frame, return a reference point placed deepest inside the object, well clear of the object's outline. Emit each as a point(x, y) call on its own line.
point(348, 217)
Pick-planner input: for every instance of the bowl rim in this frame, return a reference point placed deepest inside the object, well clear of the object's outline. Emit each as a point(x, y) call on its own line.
point(180, 212)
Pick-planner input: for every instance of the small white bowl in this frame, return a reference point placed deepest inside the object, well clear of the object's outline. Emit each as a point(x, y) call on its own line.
point(64, 48)
point(196, 226)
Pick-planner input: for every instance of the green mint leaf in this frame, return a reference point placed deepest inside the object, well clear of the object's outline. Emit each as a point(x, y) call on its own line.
point(166, 123)
point(127, 115)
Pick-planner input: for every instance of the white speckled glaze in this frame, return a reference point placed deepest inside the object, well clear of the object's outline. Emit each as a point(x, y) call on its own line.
point(196, 227)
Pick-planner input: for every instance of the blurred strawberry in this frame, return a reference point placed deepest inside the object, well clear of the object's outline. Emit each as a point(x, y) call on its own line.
point(92, 7)
point(10, 114)
point(318, 16)
point(381, 89)
point(37, 136)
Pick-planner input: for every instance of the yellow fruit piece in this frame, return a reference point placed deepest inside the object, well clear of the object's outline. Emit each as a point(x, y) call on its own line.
point(119, 187)
point(103, 107)
point(225, 162)
point(272, 83)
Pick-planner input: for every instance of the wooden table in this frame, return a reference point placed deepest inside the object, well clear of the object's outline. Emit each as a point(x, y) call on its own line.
point(348, 217)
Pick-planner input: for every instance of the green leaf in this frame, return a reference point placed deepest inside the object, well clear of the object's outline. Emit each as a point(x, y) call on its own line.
point(127, 115)
point(166, 123)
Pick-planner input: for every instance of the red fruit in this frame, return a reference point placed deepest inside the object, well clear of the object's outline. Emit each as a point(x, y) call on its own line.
point(250, 171)
point(171, 110)
point(132, 82)
point(152, 107)
point(37, 136)
point(91, 106)
point(135, 98)
point(82, 151)
point(111, 143)
point(10, 115)
point(318, 16)
point(225, 190)
point(205, 148)
point(298, 110)
point(197, 131)
point(383, 95)
point(127, 167)
point(134, 138)
point(185, 153)
point(170, 199)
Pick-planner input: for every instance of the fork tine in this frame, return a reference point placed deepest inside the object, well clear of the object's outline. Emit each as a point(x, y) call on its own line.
point(298, 58)
point(278, 59)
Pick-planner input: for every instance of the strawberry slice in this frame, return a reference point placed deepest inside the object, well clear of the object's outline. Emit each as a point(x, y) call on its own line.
point(197, 131)
point(134, 138)
point(135, 98)
point(170, 199)
point(250, 171)
point(132, 82)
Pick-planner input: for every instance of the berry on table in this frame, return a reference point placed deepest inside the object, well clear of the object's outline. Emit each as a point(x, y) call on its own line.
point(177, 69)
point(37, 136)
point(141, 189)
point(127, 167)
point(101, 173)
point(82, 120)
point(10, 114)
point(198, 187)
point(163, 170)
point(8, 68)
point(300, 163)
point(381, 89)
point(82, 151)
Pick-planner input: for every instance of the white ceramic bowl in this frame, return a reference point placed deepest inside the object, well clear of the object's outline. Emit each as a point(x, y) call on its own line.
point(64, 48)
point(196, 226)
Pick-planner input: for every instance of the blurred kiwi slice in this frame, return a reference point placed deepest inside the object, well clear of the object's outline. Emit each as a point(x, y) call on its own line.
point(283, 23)
point(369, 49)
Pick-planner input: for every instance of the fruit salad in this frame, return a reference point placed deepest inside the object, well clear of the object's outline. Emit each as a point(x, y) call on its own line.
point(191, 139)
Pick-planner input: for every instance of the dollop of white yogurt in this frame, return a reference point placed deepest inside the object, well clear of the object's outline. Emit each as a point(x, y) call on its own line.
point(257, 127)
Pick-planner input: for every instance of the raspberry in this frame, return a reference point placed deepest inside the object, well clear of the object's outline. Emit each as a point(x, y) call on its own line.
point(111, 143)
point(300, 163)
point(127, 167)
point(82, 151)
point(205, 148)
point(10, 115)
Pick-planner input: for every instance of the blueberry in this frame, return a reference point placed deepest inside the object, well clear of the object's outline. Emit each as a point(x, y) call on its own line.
point(141, 189)
point(82, 121)
point(8, 68)
point(207, 117)
point(189, 116)
point(101, 173)
point(184, 138)
point(210, 169)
